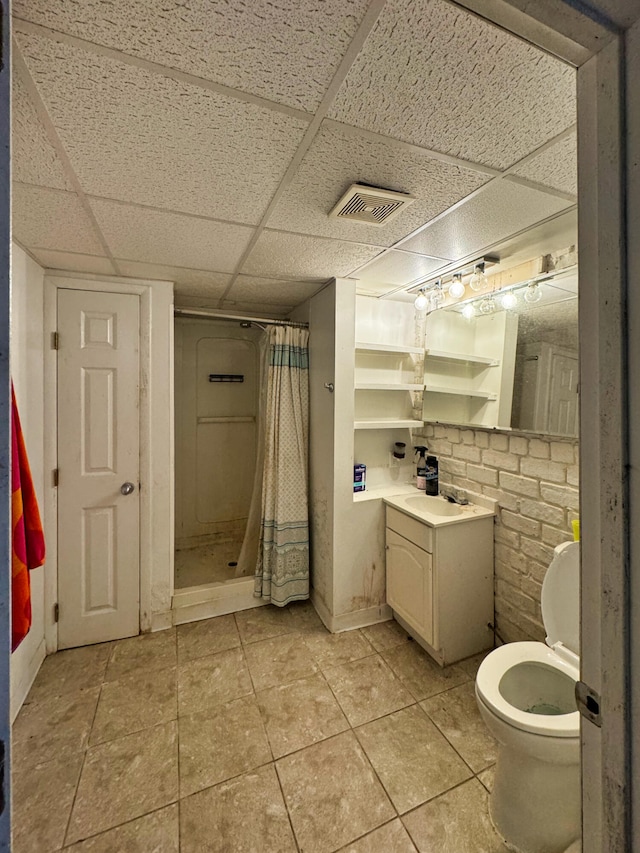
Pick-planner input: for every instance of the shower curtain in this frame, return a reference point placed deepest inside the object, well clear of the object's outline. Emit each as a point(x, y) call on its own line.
point(282, 571)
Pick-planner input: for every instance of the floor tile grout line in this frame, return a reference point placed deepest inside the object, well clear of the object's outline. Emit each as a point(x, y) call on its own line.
point(118, 825)
point(376, 775)
point(179, 779)
point(82, 766)
point(360, 747)
point(442, 734)
point(450, 742)
point(371, 831)
point(286, 807)
point(436, 797)
point(321, 674)
point(228, 779)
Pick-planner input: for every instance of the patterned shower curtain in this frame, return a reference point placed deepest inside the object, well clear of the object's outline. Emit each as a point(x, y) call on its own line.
point(282, 572)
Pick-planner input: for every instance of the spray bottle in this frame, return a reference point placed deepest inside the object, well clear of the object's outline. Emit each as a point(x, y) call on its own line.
point(421, 473)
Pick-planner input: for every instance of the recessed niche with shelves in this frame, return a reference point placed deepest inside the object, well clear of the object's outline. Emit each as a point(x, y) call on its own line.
point(469, 368)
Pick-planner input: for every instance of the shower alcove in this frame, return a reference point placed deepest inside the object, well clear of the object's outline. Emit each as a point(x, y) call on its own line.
point(217, 403)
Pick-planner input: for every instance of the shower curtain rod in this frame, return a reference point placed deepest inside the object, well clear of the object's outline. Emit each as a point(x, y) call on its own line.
point(201, 312)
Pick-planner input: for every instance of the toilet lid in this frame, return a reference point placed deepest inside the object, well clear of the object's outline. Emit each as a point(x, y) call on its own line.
point(561, 598)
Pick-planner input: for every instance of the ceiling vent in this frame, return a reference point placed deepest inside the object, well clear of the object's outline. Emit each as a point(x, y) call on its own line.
point(370, 205)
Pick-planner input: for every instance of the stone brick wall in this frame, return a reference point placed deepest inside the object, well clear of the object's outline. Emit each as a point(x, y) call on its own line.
point(535, 481)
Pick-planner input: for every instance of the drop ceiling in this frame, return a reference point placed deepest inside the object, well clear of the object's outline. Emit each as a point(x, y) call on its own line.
point(206, 142)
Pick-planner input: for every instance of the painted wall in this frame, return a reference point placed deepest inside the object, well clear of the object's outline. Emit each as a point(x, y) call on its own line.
point(27, 371)
point(348, 556)
point(535, 481)
point(322, 344)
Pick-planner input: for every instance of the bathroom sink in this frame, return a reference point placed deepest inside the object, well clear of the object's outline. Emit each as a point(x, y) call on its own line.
point(433, 505)
point(437, 511)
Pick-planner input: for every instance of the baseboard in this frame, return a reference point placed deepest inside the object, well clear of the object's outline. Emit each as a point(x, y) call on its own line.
point(350, 621)
point(21, 690)
point(161, 621)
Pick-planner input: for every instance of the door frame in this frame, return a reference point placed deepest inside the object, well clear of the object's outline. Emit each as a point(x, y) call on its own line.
point(156, 443)
point(5, 429)
point(577, 32)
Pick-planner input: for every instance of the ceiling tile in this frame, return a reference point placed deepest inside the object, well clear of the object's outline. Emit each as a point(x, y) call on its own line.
point(257, 309)
point(74, 263)
point(433, 74)
point(187, 282)
point(338, 159)
point(34, 160)
point(556, 167)
point(159, 142)
point(398, 268)
point(503, 208)
point(272, 291)
point(52, 219)
point(158, 237)
point(277, 253)
point(181, 301)
point(286, 51)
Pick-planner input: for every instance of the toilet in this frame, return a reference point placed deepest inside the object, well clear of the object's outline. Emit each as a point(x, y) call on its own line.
point(525, 693)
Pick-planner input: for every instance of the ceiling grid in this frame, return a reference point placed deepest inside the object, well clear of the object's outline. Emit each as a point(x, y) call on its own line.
point(137, 144)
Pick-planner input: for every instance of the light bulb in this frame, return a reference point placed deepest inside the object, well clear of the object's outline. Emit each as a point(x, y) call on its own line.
point(478, 280)
point(469, 312)
point(509, 300)
point(456, 288)
point(488, 305)
point(533, 293)
point(421, 301)
point(437, 295)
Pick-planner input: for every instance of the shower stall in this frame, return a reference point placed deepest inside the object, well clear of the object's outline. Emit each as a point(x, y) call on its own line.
point(217, 400)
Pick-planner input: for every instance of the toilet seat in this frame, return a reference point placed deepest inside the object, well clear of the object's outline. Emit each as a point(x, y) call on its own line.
point(504, 658)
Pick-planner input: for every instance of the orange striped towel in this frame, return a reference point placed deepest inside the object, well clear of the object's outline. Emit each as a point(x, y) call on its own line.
point(27, 550)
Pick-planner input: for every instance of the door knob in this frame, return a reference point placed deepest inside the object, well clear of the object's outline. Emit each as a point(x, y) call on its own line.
point(127, 488)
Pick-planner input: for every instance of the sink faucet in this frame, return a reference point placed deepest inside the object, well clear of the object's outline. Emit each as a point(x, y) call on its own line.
point(454, 496)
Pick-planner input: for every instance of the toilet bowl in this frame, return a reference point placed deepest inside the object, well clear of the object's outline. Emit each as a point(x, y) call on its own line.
point(525, 693)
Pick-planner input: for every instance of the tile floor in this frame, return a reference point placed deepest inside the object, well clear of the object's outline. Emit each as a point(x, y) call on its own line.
point(257, 732)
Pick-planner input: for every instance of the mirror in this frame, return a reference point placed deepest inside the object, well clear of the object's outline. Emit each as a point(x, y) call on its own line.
point(546, 378)
point(509, 368)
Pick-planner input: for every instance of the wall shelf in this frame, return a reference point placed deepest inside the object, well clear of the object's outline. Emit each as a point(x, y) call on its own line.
point(386, 423)
point(467, 364)
point(457, 356)
point(388, 386)
point(389, 349)
point(461, 392)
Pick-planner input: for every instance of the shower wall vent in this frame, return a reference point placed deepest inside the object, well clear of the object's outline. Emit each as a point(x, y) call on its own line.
point(370, 205)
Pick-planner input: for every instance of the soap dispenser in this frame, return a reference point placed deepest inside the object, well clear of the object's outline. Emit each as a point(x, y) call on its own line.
point(431, 475)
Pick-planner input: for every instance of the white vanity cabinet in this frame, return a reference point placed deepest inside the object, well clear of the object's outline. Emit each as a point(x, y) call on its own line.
point(440, 581)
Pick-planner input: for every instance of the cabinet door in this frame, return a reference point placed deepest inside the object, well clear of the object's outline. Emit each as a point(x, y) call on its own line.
point(409, 584)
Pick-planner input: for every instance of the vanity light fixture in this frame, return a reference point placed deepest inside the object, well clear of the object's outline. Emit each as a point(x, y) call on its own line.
point(488, 305)
point(456, 288)
point(469, 311)
point(479, 279)
point(421, 300)
point(508, 300)
point(533, 293)
point(450, 286)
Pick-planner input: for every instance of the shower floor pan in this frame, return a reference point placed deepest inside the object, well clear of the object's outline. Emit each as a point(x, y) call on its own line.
point(213, 599)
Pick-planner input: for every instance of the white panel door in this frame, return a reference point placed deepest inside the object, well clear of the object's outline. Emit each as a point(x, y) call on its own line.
point(98, 461)
point(563, 395)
